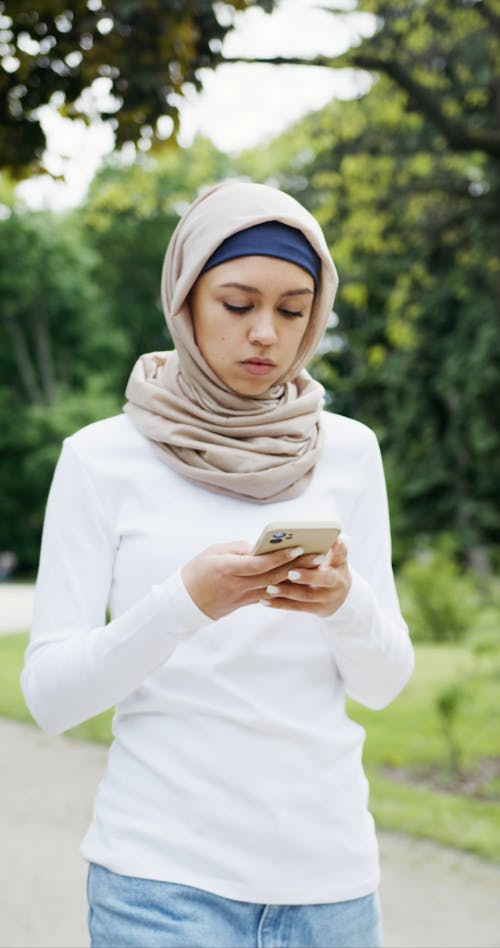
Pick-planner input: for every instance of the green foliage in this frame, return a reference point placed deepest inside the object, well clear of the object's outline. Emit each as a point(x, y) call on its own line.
point(447, 704)
point(412, 787)
point(444, 55)
point(12, 704)
point(128, 220)
point(470, 825)
point(79, 302)
point(425, 46)
point(53, 329)
point(440, 600)
point(58, 362)
point(412, 222)
point(414, 230)
point(443, 602)
point(31, 437)
point(143, 55)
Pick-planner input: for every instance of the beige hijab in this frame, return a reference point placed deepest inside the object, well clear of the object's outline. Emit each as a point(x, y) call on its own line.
point(261, 448)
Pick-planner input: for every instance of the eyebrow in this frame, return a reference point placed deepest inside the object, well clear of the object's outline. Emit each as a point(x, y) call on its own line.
point(254, 289)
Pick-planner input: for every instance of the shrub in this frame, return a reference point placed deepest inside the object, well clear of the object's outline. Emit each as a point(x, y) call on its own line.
point(440, 600)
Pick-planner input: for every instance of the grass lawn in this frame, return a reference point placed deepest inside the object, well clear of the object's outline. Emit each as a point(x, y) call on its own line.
point(407, 737)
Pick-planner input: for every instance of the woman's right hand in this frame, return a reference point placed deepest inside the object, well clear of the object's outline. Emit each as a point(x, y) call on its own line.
point(226, 576)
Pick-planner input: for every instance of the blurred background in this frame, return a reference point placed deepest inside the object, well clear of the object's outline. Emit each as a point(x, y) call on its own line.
point(383, 118)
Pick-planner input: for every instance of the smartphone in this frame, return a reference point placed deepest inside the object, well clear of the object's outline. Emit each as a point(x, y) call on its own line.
point(314, 536)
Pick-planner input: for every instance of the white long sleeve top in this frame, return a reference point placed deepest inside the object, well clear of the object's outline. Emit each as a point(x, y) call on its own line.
point(234, 766)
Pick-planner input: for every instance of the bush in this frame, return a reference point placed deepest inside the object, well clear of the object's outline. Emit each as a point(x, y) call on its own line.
point(440, 600)
point(30, 440)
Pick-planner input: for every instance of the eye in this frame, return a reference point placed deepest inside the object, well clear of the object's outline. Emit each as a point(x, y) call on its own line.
point(236, 309)
point(291, 313)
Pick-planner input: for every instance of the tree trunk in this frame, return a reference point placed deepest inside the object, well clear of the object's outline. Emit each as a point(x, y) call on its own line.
point(25, 368)
point(43, 350)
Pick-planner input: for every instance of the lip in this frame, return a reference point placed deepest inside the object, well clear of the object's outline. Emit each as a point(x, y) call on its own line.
point(258, 366)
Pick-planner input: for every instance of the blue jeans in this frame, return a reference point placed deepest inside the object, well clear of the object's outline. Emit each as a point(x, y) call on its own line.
point(138, 913)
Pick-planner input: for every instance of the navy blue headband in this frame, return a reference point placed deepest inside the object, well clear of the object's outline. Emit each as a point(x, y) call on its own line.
point(270, 239)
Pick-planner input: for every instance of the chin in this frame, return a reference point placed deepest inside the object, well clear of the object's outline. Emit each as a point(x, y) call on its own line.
point(252, 387)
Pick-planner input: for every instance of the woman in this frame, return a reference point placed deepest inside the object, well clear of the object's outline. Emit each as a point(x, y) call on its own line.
point(234, 807)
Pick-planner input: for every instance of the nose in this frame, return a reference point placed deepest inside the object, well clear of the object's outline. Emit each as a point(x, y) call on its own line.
point(262, 330)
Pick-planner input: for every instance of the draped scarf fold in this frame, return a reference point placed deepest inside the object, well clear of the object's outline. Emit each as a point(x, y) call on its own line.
point(261, 448)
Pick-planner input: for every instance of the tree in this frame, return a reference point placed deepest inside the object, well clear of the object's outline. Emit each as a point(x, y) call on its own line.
point(406, 183)
point(53, 325)
point(59, 359)
point(79, 302)
point(128, 218)
point(414, 230)
point(51, 52)
point(444, 54)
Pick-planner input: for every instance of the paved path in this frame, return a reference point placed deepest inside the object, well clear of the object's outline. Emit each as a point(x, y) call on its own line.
point(432, 897)
point(16, 606)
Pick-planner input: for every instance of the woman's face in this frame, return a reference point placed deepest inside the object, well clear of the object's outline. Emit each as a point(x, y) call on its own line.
point(249, 316)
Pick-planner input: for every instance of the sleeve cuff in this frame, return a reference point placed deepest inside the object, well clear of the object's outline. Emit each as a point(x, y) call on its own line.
point(171, 596)
point(355, 615)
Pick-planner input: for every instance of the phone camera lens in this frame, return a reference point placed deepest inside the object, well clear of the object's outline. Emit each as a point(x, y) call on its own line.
point(278, 536)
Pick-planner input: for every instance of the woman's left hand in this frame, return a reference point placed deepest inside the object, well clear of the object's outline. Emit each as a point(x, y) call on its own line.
point(320, 590)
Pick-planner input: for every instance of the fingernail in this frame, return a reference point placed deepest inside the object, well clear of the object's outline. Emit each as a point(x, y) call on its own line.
point(294, 574)
point(263, 602)
point(272, 590)
point(296, 551)
point(319, 560)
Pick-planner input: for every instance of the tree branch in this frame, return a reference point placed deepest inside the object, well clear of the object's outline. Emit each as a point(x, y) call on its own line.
point(489, 15)
point(326, 61)
point(461, 135)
